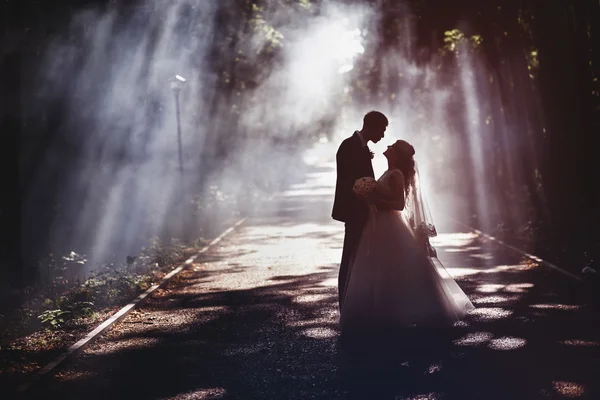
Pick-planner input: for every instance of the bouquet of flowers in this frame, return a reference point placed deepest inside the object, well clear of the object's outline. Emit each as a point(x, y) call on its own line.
point(364, 186)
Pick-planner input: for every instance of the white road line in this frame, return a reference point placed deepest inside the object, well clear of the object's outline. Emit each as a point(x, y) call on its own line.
point(530, 256)
point(124, 311)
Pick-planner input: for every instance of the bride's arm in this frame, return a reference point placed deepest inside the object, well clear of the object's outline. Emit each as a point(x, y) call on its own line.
point(397, 201)
point(384, 204)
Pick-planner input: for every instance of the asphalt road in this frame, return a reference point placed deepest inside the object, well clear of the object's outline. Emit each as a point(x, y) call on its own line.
point(255, 318)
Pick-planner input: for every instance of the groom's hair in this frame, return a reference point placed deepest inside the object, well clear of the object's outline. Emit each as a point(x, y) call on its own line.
point(375, 118)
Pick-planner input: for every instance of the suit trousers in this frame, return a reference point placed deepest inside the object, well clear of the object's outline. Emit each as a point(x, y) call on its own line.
point(352, 235)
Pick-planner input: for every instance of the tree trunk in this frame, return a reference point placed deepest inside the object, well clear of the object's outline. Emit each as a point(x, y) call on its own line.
point(10, 205)
point(564, 78)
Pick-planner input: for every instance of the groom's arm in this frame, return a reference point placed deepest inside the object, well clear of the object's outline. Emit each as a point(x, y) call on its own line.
point(384, 204)
point(345, 168)
point(397, 202)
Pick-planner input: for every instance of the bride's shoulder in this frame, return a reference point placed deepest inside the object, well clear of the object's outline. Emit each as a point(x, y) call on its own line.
point(396, 173)
point(392, 175)
point(396, 177)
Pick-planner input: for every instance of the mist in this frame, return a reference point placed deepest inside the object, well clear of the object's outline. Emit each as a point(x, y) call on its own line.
point(246, 117)
point(116, 175)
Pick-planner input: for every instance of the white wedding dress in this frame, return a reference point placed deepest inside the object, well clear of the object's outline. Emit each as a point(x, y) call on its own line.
point(393, 283)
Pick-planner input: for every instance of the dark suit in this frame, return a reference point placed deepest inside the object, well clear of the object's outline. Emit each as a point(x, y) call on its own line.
point(353, 161)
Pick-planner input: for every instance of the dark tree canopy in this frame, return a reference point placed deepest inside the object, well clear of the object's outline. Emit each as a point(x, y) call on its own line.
point(534, 50)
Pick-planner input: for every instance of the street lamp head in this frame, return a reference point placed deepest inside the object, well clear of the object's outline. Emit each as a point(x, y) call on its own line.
point(177, 82)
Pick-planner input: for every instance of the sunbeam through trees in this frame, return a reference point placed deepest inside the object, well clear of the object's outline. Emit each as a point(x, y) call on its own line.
point(500, 99)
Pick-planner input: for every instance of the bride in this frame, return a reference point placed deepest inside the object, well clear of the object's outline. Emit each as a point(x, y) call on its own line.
point(395, 279)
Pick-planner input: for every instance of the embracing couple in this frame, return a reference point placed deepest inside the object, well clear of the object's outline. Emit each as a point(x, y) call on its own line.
point(390, 277)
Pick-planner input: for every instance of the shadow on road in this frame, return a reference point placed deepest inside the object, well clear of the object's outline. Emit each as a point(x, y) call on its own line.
point(528, 339)
point(533, 334)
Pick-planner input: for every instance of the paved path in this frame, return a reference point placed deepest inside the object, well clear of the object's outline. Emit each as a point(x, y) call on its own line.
point(255, 318)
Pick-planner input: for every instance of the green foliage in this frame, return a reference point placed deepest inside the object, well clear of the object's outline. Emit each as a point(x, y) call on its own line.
point(82, 309)
point(455, 39)
point(267, 32)
point(305, 4)
point(77, 303)
point(75, 258)
point(163, 254)
point(62, 302)
point(533, 63)
point(54, 318)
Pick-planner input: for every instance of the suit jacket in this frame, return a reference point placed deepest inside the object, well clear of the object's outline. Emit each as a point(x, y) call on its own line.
point(353, 161)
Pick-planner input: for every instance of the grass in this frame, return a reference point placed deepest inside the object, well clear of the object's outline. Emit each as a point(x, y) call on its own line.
point(55, 316)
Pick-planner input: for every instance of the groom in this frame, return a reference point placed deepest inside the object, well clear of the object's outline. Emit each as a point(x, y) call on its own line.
point(353, 160)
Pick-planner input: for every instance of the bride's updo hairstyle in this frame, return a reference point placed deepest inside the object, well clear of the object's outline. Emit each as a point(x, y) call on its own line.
point(405, 162)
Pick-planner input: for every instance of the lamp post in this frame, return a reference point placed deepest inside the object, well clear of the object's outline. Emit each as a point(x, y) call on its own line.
point(176, 85)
